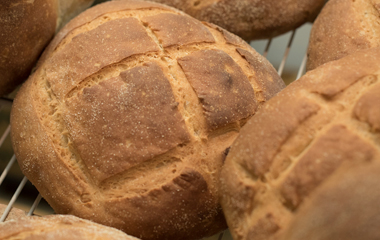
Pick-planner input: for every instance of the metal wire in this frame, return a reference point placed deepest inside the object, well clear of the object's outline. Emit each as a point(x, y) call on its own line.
point(5, 135)
point(13, 199)
point(7, 168)
point(265, 54)
point(286, 54)
point(35, 205)
point(302, 67)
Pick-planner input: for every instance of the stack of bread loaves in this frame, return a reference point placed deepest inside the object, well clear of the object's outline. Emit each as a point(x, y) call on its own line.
point(129, 116)
point(251, 19)
point(26, 27)
point(328, 119)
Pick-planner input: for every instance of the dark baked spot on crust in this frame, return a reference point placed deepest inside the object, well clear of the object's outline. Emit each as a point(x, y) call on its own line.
point(367, 108)
point(188, 206)
point(266, 76)
point(338, 145)
point(113, 41)
point(173, 29)
point(125, 120)
point(221, 85)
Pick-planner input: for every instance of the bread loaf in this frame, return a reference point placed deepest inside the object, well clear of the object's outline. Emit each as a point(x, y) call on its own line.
point(297, 140)
point(346, 207)
point(26, 27)
point(251, 19)
point(14, 214)
point(58, 227)
point(343, 27)
point(129, 116)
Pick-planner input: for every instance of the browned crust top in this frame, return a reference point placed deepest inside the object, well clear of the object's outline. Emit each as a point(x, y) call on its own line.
point(251, 19)
point(90, 104)
point(344, 207)
point(26, 27)
point(342, 28)
point(298, 140)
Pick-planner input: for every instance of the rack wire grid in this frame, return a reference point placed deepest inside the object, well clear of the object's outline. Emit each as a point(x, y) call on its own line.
point(287, 53)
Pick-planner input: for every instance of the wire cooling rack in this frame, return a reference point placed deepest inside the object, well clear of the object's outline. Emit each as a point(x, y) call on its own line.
point(287, 53)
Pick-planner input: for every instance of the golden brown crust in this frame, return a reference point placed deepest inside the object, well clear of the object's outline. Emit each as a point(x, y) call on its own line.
point(148, 105)
point(367, 108)
point(251, 19)
point(172, 29)
point(344, 207)
point(25, 29)
point(58, 227)
point(111, 117)
point(296, 141)
point(342, 28)
point(222, 87)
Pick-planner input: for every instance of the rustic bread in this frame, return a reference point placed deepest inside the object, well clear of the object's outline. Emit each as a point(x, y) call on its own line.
point(345, 207)
point(251, 19)
point(14, 214)
point(297, 139)
point(343, 27)
point(58, 227)
point(129, 115)
point(26, 27)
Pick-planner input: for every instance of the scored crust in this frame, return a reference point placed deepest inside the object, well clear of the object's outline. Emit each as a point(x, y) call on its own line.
point(251, 19)
point(344, 207)
point(297, 140)
point(342, 28)
point(121, 125)
point(58, 227)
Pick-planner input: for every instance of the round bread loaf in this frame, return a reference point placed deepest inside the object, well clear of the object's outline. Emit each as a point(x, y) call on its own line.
point(58, 227)
point(26, 27)
point(297, 140)
point(14, 214)
point(345, 207)
point(130, 113)
point(343, 27)
point(251, 19)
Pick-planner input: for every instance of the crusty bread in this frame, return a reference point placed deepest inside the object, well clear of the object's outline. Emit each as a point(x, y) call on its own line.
point(297, 139)
point(343, 27)
point(14, 214)
point(251, 19)
point(26, 27)
point(346, 206)
point(129, 116)
point(58, 227)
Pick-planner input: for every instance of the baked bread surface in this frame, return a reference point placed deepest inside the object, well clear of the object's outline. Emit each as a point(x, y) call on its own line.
point(129, 116)
point(58, 227)
point(26, 27)
point(344, 207)
point(342, 28)
point(251, 19)
point(329, 117)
